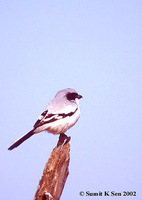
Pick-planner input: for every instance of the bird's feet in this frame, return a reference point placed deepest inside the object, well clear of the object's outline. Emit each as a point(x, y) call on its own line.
point(63, 139)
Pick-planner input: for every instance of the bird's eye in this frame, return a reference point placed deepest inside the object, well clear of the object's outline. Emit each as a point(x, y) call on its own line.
point(72, 96)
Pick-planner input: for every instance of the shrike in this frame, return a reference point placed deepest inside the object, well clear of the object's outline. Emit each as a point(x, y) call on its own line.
point(60, 115)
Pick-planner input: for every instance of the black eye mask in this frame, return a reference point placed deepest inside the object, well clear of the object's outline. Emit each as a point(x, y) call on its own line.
point(73, 96)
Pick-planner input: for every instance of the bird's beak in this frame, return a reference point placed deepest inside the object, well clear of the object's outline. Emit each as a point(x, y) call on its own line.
point(79, 96)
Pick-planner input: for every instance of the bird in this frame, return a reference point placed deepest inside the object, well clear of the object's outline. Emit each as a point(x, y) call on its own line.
point(60, 115)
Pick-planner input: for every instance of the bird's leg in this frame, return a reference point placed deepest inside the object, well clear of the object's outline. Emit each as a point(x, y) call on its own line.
point(62, 139)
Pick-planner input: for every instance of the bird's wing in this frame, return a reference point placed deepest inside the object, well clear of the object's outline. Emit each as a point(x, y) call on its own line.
point(48, 118)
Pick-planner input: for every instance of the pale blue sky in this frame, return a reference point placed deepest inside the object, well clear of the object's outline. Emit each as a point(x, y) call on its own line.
point(94, 47)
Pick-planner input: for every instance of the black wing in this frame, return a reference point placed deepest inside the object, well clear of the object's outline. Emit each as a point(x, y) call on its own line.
point(48, 118)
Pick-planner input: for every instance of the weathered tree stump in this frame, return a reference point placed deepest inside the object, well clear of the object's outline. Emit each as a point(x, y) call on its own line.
point(55, 172)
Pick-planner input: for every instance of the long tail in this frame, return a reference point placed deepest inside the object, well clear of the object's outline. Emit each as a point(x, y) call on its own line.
point(21, 140)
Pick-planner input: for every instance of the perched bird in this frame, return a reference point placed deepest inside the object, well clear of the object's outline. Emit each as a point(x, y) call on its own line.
point(60, 115)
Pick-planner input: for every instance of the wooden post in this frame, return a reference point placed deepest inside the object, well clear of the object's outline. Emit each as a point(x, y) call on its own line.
point(55, 172)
